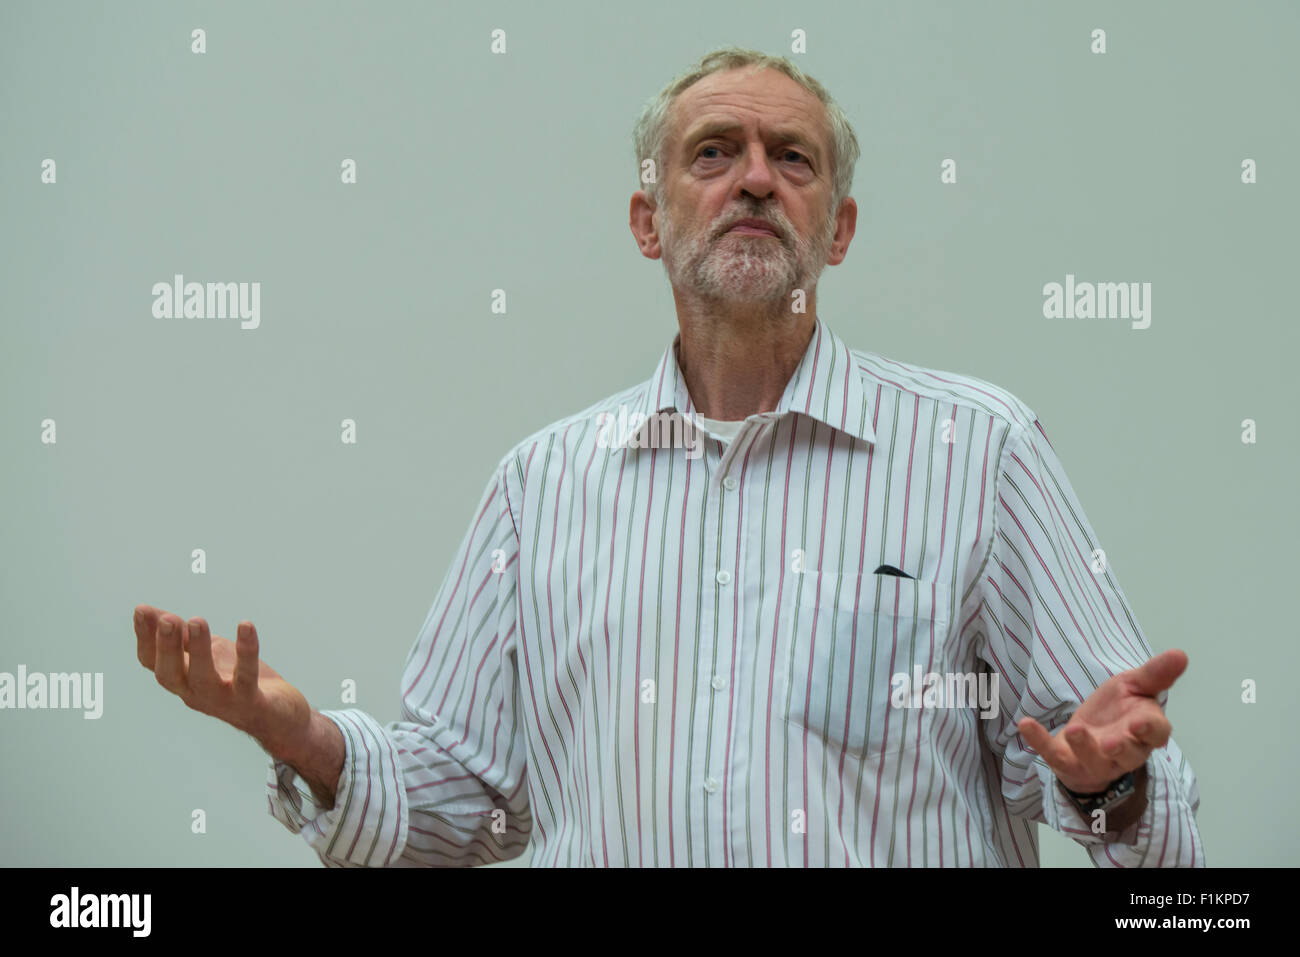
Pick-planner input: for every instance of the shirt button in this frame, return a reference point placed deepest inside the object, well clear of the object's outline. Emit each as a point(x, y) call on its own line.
point(718, 682)
point(729, 483)
point(723, 577)
point(711, 785)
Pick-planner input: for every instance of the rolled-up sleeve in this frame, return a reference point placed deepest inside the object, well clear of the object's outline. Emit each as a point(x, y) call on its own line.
point(445, 786)
point(1057, 625)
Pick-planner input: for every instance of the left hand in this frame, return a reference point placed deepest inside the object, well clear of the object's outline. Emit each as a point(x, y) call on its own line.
point(1112, 732)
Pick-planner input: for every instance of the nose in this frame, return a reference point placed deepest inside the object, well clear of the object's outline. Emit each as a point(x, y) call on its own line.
point(756, 179)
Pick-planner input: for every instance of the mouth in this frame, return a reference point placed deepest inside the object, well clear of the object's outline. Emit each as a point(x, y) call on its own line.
point(754, 227)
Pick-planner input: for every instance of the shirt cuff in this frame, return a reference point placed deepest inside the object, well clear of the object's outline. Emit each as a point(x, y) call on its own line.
point(367, 827)
point(1060, 814)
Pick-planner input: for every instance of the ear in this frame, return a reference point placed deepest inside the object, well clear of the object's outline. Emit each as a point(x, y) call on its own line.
point(846, 221)
point(643, 220)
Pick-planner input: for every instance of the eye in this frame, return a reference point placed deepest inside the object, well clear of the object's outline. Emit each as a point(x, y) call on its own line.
point(798, 157)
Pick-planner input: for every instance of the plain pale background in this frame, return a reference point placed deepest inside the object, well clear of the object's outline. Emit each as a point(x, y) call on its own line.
point(479, 171)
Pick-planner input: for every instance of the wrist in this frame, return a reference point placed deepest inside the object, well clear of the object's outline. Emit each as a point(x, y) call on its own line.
point(317, 754)
point(296, 744)
point(1122, 801)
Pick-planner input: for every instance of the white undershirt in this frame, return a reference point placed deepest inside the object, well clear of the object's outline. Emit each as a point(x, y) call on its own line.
point(726, 431)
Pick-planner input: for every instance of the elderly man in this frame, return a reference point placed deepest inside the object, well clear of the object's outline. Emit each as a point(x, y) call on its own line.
point(830, 615)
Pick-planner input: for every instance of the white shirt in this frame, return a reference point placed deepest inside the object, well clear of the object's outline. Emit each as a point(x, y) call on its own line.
point(642, 658)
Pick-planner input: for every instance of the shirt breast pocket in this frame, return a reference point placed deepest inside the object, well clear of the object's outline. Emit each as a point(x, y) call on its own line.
point(849, 636)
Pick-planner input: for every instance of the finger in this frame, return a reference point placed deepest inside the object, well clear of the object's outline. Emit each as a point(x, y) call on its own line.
point(169, 666)
point(1130, 742)
point(1159, 673)
point(145, 620)
point(1151, 730)
point(202, 672)
point(1122, 750)
point(1092, 763)
point(246, 659)
point(1041, 740)
point(1130, 756)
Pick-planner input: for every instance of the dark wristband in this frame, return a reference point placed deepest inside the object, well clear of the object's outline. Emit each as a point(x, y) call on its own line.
point(1114, 794)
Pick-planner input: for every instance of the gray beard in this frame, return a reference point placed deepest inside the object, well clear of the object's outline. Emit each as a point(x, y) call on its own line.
point(738, 268)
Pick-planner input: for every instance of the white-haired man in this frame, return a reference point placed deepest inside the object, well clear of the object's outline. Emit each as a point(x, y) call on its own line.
point(838, 636)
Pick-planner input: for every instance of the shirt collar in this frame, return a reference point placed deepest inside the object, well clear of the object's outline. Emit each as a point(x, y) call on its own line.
point(825, 386)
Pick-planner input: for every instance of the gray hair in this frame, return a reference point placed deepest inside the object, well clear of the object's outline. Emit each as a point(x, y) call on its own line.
point(649, 136)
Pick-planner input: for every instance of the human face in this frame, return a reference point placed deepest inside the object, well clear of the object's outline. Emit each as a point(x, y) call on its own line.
point(747, 145)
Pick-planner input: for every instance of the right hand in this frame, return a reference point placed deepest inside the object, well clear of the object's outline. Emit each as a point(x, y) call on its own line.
point(222, 678)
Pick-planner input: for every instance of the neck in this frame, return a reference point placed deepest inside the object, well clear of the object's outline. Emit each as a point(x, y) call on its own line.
point(737, 358)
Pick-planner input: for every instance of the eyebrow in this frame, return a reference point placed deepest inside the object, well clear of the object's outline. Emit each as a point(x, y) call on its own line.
point(723, 127)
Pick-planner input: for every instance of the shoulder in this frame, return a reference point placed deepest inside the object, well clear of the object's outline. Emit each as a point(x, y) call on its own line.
point(566, 433)
point(908, 379)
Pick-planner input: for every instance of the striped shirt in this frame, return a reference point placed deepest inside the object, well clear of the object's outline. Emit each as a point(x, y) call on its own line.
point(648, 655)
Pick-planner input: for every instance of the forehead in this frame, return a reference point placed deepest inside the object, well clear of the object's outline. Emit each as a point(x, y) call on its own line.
point(766, 98)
